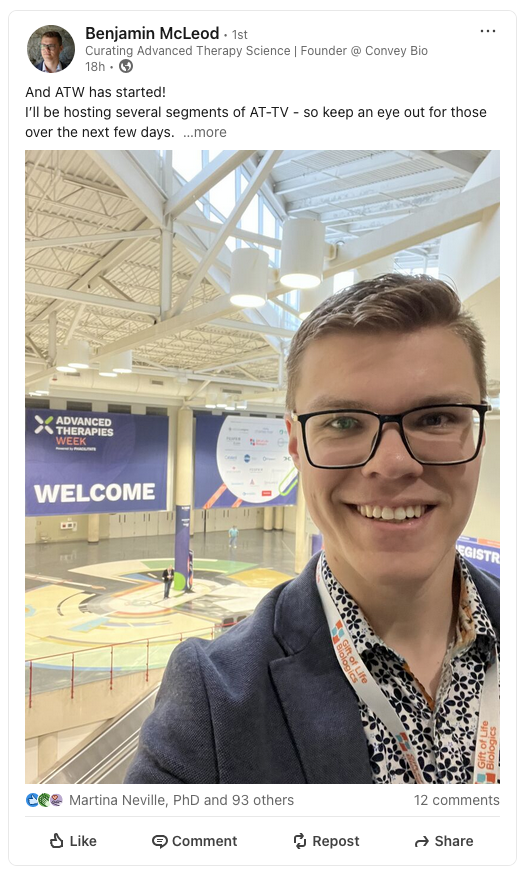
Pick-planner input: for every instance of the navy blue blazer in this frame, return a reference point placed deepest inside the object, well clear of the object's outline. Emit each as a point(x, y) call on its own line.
point(40, 65)
point(266, 702)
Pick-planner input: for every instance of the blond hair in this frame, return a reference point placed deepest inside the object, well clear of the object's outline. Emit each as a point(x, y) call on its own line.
point(391, 303)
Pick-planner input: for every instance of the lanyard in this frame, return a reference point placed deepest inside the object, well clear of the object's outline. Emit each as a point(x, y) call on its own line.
point(486, 762)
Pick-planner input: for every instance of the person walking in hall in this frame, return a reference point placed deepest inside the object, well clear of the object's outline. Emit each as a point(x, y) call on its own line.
point(168, 577)
point(233, 536)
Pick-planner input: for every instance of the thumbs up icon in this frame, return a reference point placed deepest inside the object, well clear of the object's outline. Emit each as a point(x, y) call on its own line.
point(56, 841)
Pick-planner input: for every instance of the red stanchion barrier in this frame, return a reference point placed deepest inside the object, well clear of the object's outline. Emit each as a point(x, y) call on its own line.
point(163, 639)
point(147, 655)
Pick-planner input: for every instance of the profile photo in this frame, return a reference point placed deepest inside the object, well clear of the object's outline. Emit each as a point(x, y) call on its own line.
point(50, 49)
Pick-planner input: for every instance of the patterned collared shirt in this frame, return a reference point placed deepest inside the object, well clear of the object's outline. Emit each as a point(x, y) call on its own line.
point(443, 731)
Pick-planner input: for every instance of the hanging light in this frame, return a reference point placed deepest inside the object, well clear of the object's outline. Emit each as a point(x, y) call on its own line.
point(78, 354)
point(302, 255)
point(117, 364)
point(122, 363)
point(61, 363)
point(249, 270)
point(310, 299)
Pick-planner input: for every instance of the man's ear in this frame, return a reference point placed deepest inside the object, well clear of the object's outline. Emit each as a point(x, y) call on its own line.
point(292, 430)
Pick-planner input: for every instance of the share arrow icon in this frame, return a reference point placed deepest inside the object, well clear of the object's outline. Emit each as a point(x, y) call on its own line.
point(424, 841)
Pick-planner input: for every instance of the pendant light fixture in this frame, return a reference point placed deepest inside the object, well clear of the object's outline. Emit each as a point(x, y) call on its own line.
point(302, 256)
point(78, 354)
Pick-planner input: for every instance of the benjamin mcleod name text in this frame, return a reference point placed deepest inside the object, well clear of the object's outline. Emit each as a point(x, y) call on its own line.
point(144, 34)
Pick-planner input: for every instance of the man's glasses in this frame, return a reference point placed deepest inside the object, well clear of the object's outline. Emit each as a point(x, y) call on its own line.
point(434, 435)
point(49, 47)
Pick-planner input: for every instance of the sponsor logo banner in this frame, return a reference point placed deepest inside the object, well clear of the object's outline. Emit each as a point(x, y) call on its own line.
point(91, 462)
point(242, 461)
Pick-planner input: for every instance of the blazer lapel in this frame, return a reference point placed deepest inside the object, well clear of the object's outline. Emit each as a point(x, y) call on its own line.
point(319, 706)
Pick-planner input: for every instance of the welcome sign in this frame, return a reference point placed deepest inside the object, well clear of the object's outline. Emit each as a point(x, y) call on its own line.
point(94, 462)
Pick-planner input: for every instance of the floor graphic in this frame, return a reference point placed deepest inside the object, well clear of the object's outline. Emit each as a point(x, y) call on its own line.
point(113, 616)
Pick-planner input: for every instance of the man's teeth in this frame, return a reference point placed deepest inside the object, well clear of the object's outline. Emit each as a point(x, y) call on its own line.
point(380, 512)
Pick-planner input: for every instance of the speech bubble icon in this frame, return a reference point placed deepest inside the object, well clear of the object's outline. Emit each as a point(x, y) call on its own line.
point(160, 841)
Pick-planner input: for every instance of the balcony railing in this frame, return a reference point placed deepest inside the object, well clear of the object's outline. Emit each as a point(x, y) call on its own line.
point(86, 665)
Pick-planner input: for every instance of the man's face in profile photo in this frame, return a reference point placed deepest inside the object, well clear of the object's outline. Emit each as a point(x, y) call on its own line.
point(50, 49)
point(387, 373)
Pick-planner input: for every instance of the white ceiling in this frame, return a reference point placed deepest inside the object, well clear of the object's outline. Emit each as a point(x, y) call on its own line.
point(69, 195)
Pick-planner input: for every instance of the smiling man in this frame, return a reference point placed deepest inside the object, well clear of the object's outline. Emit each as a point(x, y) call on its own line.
point(379, 663)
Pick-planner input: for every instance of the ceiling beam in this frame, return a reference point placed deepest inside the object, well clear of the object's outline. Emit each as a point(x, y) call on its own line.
point(52, 338)
point(166, 251)
point(397, 206)
point(343, 171)
point(223, 234)
point(36, 349)
point(198, 390)
point(249, 357)
point(109, 285)
point(443, 217)
point(110, 260)
point(237, 233)
point(245, 372)
point(295, 157)
point(91, 299)
point(273, 199)
point(96, 239)
point(80, 391)
point(225, 163)
point(75, 180)
point(169, 327)
point(461, 163)
point(287, 308)
point(42, 316)
point(244, 326)
point(73, 324)
point(131, 178)
point(386, 187)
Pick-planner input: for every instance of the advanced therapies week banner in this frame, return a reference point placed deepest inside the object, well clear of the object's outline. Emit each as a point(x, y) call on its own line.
point(87, 462)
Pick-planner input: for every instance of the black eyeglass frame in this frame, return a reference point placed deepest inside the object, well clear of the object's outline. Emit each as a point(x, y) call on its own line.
point(398, 419)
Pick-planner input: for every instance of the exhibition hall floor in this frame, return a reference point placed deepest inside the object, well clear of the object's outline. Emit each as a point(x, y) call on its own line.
point(95, 610)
